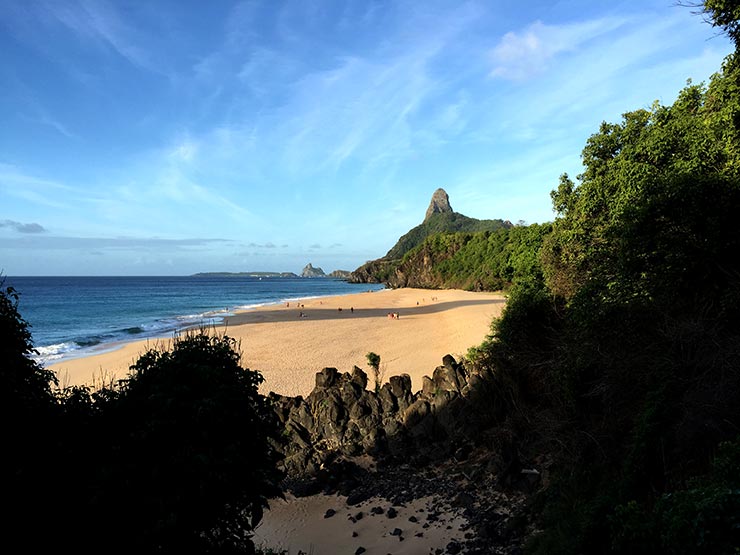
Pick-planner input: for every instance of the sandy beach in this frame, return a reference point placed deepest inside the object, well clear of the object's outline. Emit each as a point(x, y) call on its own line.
point(288, 344)
point(297, 525)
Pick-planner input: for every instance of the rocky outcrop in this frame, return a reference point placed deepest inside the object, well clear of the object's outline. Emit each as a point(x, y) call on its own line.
point(340, 274)
point(440, 204)
point(438, 443)
point(310, 272)
point(374, 271)
point(341, 417)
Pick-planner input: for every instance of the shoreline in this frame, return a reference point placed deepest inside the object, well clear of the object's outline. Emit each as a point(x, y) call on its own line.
point(219, 318)
point(334, 331)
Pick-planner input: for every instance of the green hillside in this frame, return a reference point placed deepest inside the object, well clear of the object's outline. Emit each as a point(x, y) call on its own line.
point(447, 222)
point(479, 261)
point(440, 219)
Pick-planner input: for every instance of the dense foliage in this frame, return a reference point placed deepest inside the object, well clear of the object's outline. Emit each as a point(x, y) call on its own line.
point(27, 412)
point(384, 270)
point(623, 364)
point(483, 261)
point(177, 458)
point(477, 261)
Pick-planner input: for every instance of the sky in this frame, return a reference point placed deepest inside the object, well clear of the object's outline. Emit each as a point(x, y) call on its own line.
point(175, 137)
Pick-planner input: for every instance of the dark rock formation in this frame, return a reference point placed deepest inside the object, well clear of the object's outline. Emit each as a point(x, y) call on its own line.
point(440, 441)
point(342, 418)
point(440, 204)
point(310, 272)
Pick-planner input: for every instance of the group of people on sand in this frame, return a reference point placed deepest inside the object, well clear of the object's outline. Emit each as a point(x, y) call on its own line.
point(302, 314)
point(393, 315)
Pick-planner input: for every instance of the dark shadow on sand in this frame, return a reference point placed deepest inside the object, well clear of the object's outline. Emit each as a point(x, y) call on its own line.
point(292, 314)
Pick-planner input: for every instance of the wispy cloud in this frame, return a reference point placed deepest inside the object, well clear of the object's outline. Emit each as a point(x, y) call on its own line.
point(524, 54)
point(99, 22)
point(38, 190)
point(44, 118)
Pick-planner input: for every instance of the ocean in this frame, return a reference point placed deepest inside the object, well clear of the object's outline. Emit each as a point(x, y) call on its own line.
point(76, 316)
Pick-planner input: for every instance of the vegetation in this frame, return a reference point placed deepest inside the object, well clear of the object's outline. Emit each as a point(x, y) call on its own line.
point(177, 458)
point(483, 261)
point(622, 365)
point(384, 270)
point(373, 361)
point(441, 222)
point(616, 361)
point(476, 261)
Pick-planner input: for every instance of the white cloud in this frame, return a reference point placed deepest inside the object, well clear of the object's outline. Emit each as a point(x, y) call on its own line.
point(521, 55)
point(184, 151)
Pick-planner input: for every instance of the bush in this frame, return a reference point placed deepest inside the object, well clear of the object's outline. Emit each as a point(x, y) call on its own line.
point(192, 462)
point(177, 458)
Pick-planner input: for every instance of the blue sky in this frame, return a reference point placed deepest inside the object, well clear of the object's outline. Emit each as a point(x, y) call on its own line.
point(173, 137)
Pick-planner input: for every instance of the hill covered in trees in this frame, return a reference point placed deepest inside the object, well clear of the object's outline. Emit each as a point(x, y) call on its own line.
point(439, 218)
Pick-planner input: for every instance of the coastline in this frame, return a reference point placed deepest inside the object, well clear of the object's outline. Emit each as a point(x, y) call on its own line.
point(288, 349)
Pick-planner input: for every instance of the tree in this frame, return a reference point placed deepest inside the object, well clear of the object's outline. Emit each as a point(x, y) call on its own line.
point(630, 351)
point(28, 414)
point(177, 458)
point(725, 14)
point(374, 361)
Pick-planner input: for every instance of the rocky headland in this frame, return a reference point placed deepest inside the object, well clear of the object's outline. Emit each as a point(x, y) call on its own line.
point(405, 265)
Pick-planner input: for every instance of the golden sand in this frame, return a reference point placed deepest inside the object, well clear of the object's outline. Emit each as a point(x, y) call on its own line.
point(289, 344)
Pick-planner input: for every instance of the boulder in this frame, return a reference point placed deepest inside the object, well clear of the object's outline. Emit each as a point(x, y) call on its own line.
point(326, 377)
point(388, 401)
point(359, 377)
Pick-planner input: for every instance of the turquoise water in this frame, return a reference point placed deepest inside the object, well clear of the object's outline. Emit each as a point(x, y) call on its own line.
point(74, 316)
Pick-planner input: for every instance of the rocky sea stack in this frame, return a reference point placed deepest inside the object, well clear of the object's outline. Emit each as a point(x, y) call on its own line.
point(440, 204)
point(310, 272)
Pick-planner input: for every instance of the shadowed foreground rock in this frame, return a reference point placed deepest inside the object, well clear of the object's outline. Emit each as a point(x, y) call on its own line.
point(342, 417)
point(437, 441)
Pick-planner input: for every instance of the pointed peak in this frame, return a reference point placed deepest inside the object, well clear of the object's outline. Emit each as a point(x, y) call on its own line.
point(440, 203)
